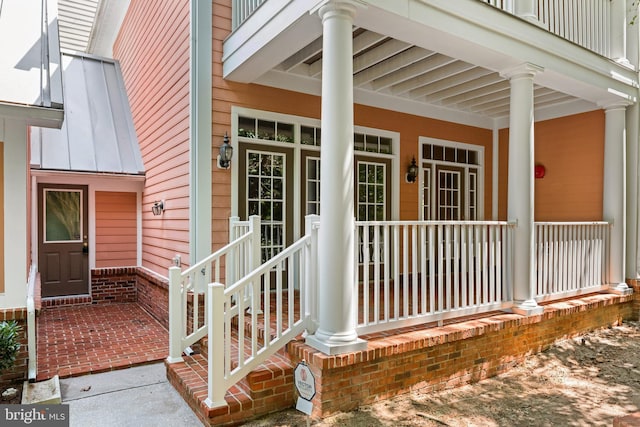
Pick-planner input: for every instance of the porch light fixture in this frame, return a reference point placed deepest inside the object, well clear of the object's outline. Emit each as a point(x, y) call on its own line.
point(226, 153)
point(158, 208)
point(412, 171)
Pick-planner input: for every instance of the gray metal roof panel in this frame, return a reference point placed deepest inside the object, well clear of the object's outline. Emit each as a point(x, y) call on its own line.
point(97, 134)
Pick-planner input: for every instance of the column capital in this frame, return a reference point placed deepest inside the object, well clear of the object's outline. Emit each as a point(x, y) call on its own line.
point(618, 104)
point(526, 69)
point(326, 8)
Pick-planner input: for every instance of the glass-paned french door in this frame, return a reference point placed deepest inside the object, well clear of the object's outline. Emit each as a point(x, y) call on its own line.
point(450, 185)
point(265, 192)
point(372, 200)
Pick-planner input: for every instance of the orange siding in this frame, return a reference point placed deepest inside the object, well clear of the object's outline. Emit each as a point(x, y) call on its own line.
point(572, 151)
point(153, 50)
point(116, 243)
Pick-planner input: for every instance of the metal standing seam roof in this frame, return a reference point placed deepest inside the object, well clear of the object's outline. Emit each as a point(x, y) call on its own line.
point(97, 134)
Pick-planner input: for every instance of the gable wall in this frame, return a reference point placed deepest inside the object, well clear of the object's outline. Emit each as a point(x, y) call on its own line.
point(153, 50)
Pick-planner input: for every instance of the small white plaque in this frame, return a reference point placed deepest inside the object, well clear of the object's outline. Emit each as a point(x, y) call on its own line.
point(304, 406)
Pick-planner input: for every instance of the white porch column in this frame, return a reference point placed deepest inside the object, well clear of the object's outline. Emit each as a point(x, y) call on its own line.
point(614, 191)
point(336, 331)
point(520, 205)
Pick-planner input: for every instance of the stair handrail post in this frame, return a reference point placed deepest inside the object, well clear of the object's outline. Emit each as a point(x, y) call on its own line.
point(255, 260)
point(231, 270)
point(311, 273)
point(216, 388)
point(176, 315)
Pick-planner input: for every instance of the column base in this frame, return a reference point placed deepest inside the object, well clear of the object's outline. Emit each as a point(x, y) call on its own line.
point(527, 308)
point(620, 289)
point(333, 347)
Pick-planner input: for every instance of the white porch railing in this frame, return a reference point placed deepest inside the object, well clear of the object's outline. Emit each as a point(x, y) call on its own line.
point(571, 258)
point(242, 9)
point(584, 22)
point(187, 322)
point(239, 342)
point(416, 272)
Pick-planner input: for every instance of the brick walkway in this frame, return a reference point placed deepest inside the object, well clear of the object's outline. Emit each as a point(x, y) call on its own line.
point(84, 339)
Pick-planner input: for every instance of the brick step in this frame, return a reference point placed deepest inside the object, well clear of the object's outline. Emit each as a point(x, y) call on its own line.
point(267, 389)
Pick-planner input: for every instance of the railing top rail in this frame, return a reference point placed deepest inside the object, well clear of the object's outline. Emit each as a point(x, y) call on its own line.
point(216, 254)
point(572, 223)
point(508, 223)
point(268, 265)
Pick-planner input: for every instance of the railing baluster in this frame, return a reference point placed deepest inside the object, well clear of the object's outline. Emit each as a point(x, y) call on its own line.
point(432, 270)
point(396, 271)
point(387, 272)
point(423, 270)
point(376, 274)
point(366, 257)
point(414, 270)
point(456, 263)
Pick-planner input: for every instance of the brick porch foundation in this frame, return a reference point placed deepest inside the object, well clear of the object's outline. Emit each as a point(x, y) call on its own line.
point(425, 358)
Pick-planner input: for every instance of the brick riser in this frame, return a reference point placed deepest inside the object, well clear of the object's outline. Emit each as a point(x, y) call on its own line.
point(265, 390)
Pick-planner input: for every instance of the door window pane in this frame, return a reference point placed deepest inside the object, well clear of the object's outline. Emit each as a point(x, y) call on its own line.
point(63, 215)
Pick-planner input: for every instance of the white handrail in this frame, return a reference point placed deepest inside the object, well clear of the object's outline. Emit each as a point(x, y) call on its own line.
point(286, 312)
point(187, 310)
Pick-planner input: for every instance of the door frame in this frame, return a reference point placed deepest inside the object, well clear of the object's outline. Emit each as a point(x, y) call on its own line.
point(84, 235)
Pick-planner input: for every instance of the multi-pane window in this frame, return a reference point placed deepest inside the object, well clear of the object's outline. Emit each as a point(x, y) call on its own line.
point(449, 200)
point(371, 191)
point(313, 186)
point(266, 198)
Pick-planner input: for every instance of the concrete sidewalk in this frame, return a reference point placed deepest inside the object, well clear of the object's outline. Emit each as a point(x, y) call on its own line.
point(139, 396)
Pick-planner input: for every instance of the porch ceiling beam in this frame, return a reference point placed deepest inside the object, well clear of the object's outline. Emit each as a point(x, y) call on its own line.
point(502, 102)
point(443, 68)
point(441, 73)
point(302, 55)
point(378, 54)
point(404, 59)
point(406, 74)
point(360, 43)
point(486, 85)
point(450, 83)
point(495, 96)
point(552, 98)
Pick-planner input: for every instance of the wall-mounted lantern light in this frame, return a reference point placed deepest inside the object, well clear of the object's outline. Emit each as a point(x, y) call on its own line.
point(226, 153)
point(158, 208)
point(412, 171)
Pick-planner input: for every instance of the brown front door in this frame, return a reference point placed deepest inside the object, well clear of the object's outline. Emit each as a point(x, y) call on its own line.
point(63, 259)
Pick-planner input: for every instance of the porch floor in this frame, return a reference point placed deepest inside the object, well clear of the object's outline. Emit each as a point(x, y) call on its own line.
point(83, 339)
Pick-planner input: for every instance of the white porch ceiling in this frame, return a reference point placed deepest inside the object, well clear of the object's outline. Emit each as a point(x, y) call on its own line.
point(389, 67)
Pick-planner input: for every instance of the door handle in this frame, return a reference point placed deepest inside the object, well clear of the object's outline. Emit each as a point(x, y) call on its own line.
point(85, 246)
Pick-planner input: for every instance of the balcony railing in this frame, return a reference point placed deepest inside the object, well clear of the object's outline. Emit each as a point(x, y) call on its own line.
point(242, 9)
point(597, 25)
point(588, 23)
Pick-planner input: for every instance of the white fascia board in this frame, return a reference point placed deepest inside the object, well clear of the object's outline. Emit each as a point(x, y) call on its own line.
point(482, 35)
point(32, 115)
point(257, 45)
point(97, 181)
point(108, 21)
